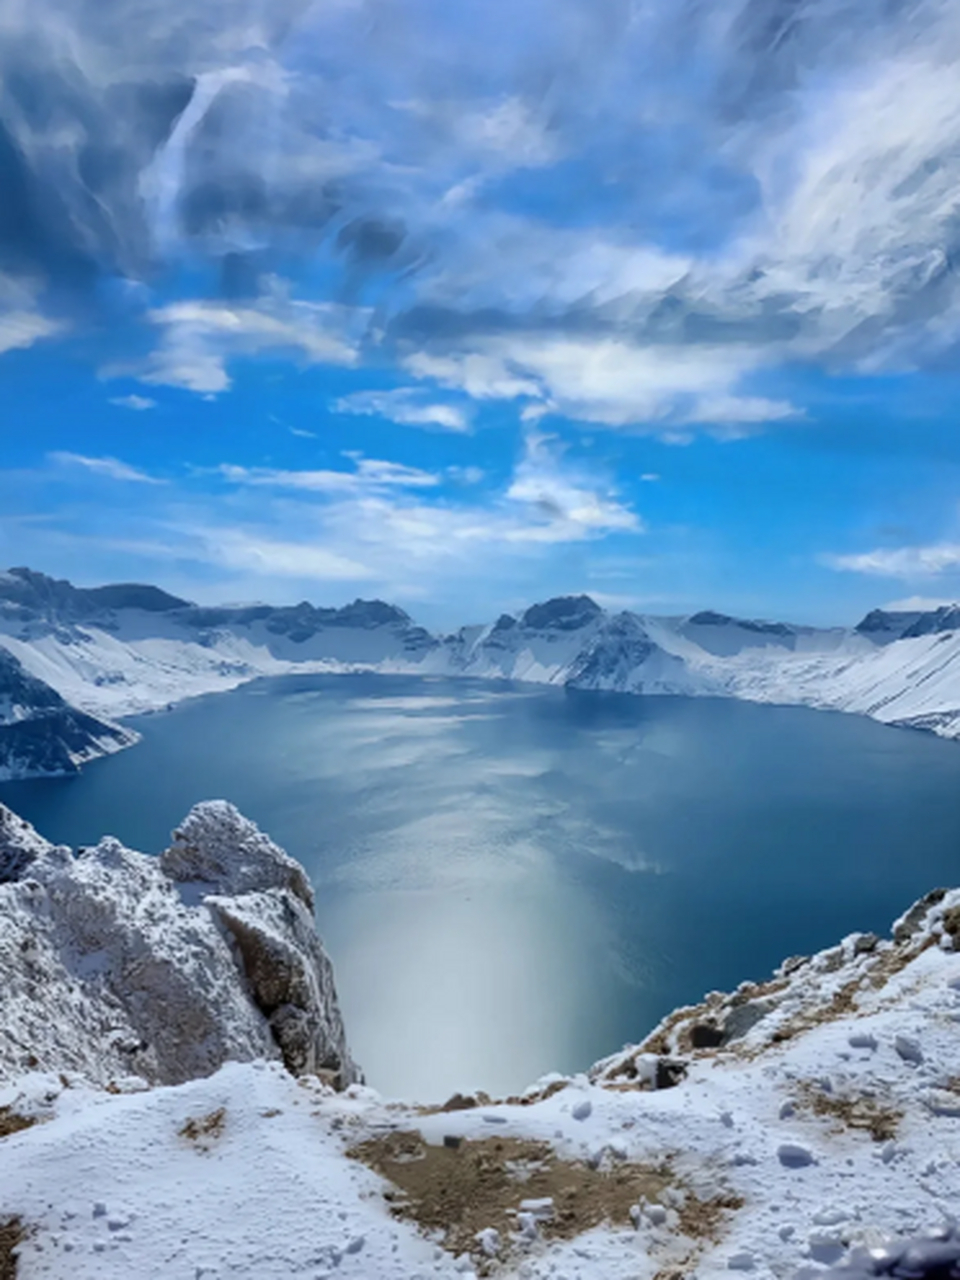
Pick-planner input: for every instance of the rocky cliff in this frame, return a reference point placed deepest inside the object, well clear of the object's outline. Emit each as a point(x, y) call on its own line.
point(119, 965)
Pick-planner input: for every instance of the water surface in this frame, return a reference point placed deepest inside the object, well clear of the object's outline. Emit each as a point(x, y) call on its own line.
point(514, 879)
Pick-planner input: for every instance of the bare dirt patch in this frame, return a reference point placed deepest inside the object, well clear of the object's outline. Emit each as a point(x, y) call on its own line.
point(204, 1130)
point(463, 1189)
point(11, 1122)
point(11, 1234)
point(863, 1112)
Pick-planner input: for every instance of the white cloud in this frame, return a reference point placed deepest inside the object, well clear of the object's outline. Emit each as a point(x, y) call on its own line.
point(406, 407)
point(565, 505)
point(21, 329)
point(919, 604)
point(484, 377)
point(901, 562)
point(611, 381)
point(110, 468)
point(371, 474)
point(138, 403)
point(200, 338)
point(392, 524)
point(260, 554)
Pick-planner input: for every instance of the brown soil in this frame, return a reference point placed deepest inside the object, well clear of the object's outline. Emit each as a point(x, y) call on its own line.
point(460, 1190)
point(862, 1112)
point(11, 1234)
point(205, 1129)
point(11, 1122)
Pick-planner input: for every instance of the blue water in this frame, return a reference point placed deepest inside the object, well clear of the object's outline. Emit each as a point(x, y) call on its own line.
point(513, 879)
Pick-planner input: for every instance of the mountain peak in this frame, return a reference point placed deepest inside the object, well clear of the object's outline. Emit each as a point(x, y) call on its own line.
point(562, 613)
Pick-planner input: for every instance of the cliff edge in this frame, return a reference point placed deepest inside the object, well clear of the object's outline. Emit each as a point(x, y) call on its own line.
point(119, 965)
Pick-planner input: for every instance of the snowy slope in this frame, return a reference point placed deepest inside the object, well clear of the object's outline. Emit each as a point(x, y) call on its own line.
point(40, 734)
point(121, 650)
point(569, 641)
point(827, 1116)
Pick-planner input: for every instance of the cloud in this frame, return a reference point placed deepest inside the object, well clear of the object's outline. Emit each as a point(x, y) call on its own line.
point(137, 403)
point(199, 338)
point(110, 468)
point(919, 604)
point(404, 407)
point(566, 505)
point(611, 382)
point(402, 527)
point(631, 213)
point(901, 562)
point(21, 329)
point(370, 475)
point(246, 550)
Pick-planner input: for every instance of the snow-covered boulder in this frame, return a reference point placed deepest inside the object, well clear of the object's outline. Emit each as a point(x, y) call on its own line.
point(113, 967)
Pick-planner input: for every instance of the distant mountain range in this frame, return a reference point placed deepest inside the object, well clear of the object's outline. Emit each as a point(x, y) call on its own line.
point(74, 660)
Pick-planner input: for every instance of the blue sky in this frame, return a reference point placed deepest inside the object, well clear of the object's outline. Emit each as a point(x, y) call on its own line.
point(464, 306)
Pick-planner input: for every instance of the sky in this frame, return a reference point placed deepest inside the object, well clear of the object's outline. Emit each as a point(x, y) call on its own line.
point(467, 305)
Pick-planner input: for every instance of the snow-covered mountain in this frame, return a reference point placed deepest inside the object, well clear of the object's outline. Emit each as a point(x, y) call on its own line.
point(40, 734)
point(154, 1120)
point(119, 650)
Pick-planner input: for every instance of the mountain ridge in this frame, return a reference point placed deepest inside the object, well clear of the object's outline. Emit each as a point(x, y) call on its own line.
point(115, 651)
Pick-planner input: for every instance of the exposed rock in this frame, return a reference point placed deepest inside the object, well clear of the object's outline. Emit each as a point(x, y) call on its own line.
point(290, 976)
point(563, 613)
point(911, 920)
point(794, 1155)
point(217, 846)
point(743, 1018)
point(19, 845)
point(706, 1035)
point(112, 971)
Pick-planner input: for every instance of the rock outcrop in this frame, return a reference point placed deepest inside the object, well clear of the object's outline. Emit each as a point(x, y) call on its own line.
point(117, 964)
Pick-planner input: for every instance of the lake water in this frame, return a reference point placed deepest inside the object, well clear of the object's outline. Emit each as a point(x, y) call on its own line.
point(513, 879)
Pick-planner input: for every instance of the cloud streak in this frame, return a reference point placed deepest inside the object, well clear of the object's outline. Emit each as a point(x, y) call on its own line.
point(902, 562)
point(108, 468)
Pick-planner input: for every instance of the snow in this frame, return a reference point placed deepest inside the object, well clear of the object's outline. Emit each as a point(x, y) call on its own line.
point(245, 1172)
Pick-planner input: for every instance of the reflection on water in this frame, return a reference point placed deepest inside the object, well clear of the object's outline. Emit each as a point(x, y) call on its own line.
point(514, 879)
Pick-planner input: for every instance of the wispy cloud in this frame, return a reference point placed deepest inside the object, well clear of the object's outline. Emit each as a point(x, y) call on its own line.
point(139, 404)
point(901, 562)
point(369, 474)
point(21, 329)
point(200, 339)
point(109, 468)
point(406, 407)
point(612, 382)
